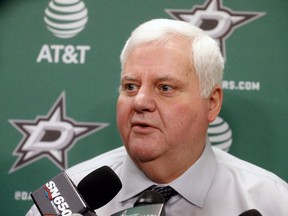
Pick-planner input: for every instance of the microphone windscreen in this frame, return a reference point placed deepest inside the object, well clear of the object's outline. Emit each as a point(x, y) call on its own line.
point(99, 187)
point(149, 197)
point(251, 212)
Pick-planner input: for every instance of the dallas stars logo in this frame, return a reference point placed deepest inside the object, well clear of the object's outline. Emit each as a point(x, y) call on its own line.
point(219, 22)
point(50, 136)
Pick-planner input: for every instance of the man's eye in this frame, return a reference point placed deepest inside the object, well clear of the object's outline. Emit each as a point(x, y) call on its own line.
point(166, 88)
point(130, 87)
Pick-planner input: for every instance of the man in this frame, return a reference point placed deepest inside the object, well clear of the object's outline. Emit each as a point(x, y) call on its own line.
point(170, 91)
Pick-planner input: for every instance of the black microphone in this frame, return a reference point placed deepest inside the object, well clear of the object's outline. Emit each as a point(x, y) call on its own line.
point(251, 212)
point(148, 203)
point(59, 196)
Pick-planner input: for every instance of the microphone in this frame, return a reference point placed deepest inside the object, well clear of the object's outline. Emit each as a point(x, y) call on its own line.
point(148, 203)
point(251, 212)
point(59, 196)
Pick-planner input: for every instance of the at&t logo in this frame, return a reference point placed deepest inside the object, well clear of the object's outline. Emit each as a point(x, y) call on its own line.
point(64, 19)
point(220, 134)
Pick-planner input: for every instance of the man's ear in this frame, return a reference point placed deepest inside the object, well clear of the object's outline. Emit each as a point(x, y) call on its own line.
point(215, 103)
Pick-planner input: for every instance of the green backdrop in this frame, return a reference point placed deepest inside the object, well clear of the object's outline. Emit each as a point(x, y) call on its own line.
point(58, 90)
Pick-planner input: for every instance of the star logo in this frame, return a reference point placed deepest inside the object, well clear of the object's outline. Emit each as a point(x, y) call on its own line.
point(219, 22)
point(50, 136)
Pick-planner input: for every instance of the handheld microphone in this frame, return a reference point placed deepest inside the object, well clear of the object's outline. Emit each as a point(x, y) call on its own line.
point(148, 203)
point(59, 196)
point(251, 212)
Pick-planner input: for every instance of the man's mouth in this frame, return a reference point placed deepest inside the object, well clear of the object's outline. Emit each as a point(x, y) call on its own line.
point(142, 128)
point(141, 125)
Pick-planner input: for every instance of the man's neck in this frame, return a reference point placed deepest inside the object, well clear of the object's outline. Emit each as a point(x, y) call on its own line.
point(165, 170)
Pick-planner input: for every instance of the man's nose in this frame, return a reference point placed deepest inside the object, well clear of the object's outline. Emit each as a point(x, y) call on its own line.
point(144, 100)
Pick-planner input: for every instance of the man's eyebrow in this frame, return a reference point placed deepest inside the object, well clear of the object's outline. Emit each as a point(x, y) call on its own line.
point(169, 78)
point(165, 78)
point(157, 79)
point(129, 78)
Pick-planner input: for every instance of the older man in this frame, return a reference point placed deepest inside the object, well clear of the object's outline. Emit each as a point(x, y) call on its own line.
point(170, 91)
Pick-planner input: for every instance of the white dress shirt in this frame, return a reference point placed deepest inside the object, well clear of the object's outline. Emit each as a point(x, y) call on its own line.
point(217, 184)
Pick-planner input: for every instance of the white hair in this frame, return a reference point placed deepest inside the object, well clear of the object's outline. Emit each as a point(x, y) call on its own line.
point(205, 55)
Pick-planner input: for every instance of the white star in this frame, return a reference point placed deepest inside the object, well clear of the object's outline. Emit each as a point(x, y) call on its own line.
point(51, 136)
point(219, 22)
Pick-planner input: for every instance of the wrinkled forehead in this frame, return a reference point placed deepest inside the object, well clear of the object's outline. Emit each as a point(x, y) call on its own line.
point(169, 61)
point(177, 43)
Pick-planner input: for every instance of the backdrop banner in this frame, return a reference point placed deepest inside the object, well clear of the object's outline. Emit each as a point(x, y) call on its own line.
point(60, 72)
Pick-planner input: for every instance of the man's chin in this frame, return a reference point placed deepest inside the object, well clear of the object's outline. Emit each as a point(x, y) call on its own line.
point(142, 155)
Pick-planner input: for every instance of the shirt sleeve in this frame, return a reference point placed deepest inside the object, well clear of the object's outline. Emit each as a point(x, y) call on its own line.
point(33, 211)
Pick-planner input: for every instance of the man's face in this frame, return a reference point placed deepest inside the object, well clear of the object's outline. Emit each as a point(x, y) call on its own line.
point(160, 113)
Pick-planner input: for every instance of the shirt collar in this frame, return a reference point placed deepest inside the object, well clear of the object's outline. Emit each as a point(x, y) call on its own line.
point(193, 185)
point(134, 181)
